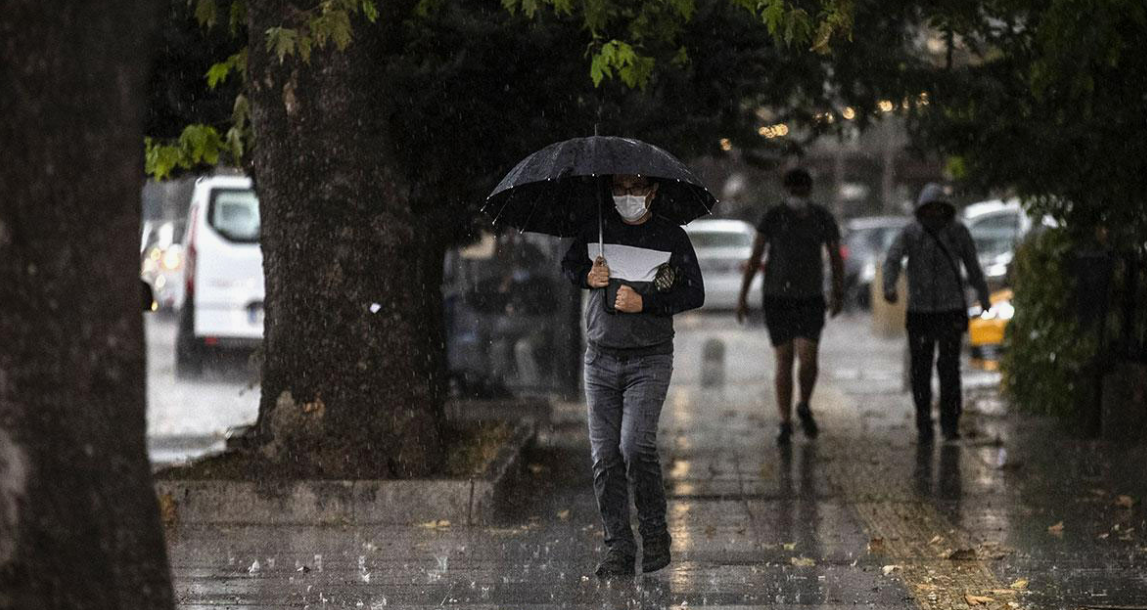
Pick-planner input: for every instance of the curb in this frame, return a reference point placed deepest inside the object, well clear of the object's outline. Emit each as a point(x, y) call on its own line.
point(362, 502)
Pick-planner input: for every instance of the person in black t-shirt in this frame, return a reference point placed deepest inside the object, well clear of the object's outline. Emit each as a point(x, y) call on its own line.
point(795, 234)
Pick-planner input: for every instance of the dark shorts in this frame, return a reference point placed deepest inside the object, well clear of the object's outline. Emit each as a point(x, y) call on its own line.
point(788, 318)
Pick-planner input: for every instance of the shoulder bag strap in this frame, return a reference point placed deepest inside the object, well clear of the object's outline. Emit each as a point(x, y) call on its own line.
point(952, 262)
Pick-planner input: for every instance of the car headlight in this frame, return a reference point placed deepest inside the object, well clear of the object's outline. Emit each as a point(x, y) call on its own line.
point(172, 260)
point(999, 311)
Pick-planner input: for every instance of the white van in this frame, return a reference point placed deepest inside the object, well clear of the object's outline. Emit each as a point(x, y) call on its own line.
point(223, 273)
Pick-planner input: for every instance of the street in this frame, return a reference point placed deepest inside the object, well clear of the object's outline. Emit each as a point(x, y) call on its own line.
point(1016, 515)
point(186, 418)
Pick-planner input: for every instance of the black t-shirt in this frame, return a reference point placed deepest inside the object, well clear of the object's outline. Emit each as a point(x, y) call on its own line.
point(796, 240)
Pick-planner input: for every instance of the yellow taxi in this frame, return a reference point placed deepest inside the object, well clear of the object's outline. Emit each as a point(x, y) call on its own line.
point(986, 330)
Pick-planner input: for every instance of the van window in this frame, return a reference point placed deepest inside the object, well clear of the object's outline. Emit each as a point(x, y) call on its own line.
point(996, 234)
point(234, 214)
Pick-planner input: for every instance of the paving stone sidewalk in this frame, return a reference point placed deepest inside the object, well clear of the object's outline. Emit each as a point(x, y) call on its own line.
point(1018, 515)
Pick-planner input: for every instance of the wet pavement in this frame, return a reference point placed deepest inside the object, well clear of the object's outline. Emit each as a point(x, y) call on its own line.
point(1017, 515)
point(188, 417)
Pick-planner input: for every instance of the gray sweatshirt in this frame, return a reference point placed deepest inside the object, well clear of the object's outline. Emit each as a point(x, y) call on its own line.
point(635, 253)
point(933, 281)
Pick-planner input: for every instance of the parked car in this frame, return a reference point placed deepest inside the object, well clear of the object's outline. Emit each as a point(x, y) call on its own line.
point(223, 271)
point(723, 248)
point(865, 241)
point(161, 263)
point(997, 226)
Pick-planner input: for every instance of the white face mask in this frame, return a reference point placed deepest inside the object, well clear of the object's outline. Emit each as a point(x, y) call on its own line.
point(631, 207)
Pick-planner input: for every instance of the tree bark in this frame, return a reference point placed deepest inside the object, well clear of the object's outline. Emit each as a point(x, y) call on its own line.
point(349, 372)
point(79, 523)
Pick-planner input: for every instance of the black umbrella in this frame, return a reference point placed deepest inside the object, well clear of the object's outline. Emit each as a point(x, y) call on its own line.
point(559, 188)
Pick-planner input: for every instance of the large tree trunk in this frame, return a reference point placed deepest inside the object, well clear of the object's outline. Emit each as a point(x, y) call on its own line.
point(79, 524)
point(349, 368)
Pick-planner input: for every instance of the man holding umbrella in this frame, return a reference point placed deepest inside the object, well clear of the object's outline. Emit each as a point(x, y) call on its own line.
point(648, 273)
point(640, 268)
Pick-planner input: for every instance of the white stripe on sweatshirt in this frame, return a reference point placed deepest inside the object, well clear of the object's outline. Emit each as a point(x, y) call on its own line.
point(630, 263)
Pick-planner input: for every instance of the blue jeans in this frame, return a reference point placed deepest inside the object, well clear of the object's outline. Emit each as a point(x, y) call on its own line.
point(625, 396)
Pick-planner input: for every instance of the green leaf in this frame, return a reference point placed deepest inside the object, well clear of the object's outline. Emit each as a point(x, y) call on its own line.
point(341, 31)
point(320, 28)
point(636, 72)
point(235, 143)
point(217, 73)
point(282, 41)
point(599, 68)
point(238, 17)
point(426, 8)
point(370, 10)
point(220, 71)
point(621, 58)
point(596, 15)
point(306, 43)
point(530, 8)
point(774, 15)
point(684, 8)
point(241, 111)
point(206, 12)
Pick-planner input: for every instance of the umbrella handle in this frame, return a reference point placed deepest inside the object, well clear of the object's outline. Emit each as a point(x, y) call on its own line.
point(600, 229)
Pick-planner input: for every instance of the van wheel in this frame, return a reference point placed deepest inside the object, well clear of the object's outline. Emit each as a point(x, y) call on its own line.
point(188, 355)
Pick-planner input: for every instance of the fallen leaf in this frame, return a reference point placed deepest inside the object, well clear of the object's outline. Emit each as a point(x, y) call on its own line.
point(803, 562)
point(1056, 529)
point(888, 570)
point(790, 546)
point(168, 511)
point(961, 555)
point(564, 515)
point(439, 524)
point(876, 545)
point(1021, 584)
point(994, 550)
point(1125, 502)
point(1104, 535)
point(978, 600)
point(937, 539)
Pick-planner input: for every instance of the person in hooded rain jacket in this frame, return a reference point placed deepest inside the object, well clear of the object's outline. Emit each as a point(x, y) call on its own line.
point(935, 245)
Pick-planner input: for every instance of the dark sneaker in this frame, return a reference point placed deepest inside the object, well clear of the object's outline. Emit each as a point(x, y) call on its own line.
point(808, 424)
point(785, 434)
point(615, 563)
point(655, 553)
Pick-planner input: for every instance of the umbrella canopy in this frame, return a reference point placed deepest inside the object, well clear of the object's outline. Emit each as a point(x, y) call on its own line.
point(560, 188)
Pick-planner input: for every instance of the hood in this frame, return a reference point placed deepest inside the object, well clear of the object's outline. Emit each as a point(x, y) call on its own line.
point(934, 193)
